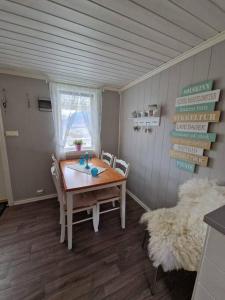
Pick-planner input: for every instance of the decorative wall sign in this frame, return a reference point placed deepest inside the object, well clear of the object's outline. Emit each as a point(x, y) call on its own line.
point(197, 88)
point(213, 116)
point(188, 149)
point(194, 143)
point(192, 127)
point(205, 107)
point(184, 165)
point(194, 111)
point(194, 135)
point(195, 159)
point(207, 97)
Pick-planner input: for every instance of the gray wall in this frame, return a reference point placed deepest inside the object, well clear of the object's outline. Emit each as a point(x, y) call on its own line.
point(154, 177)
point(29, 154)
point(110, 121)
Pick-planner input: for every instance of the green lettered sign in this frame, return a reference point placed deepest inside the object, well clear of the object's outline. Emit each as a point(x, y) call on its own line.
point(200, 87)
point(205, 107)
point(195, 135)
point(186, 166)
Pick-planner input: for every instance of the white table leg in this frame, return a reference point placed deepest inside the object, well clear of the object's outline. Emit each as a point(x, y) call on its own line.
point(70, 220)
point(123, 205)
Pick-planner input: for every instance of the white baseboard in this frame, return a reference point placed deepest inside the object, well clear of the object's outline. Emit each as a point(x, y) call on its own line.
point(34, 199)
point(136, 199)
point(45, 197)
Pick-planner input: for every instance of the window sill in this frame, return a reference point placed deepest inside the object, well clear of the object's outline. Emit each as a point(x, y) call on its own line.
point(75, 154)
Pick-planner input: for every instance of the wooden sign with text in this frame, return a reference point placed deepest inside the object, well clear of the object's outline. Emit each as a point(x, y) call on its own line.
point(200, 87)
point(207, 97)
point(192, 127)
point(188, 149)
point(205, 107)
point(195, 159)
point(194, 143)
point(211, 136)
point(197, 117)
point(195, 110)
point(186, 166)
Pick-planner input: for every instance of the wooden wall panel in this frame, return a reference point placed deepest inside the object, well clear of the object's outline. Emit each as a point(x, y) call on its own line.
point(202, 63)
point(158, 176)
point(152, 147)
point(217, 67)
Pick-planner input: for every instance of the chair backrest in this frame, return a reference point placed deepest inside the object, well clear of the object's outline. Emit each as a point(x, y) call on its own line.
point(55, 161)
point(107, 158)
point(57, 183)
point(121, 166)
point(56, 164)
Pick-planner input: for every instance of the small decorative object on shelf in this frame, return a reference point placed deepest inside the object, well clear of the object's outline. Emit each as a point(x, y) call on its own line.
point(134, 114)
point(138, 114)
point(154, 110)
point(78, 144)
point(137, 128)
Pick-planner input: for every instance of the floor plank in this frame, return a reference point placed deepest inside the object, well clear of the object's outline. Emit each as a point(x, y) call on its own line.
point(108, 265)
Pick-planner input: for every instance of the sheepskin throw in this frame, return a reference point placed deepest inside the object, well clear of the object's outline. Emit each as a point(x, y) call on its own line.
point(177, 234)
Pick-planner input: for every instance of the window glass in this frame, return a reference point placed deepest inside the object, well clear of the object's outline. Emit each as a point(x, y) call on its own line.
point(76, 119)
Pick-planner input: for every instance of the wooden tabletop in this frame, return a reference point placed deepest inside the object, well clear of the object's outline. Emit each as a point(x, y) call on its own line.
point(74, 180)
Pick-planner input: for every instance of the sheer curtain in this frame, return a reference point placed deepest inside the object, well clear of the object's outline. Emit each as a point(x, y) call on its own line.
point(91, 118)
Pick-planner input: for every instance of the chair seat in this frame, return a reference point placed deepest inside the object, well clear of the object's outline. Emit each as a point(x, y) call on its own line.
point(108, 193)
point(83, 200)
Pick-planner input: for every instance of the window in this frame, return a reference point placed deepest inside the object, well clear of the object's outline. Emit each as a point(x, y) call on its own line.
point(77, 115)
point(75, 118)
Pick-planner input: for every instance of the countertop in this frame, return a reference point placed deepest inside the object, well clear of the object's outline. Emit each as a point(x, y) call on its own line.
point(216, 219)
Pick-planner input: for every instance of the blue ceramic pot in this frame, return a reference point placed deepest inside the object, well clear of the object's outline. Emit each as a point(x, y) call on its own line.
point(94, 172)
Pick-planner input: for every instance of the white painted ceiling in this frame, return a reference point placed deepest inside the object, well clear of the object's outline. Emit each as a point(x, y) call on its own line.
point(104, 43)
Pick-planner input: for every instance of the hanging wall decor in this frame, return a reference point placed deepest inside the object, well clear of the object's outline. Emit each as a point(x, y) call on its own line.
point(146, 119)
point(195, 110)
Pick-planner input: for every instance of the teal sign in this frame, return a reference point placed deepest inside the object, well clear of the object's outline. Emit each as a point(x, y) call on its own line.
point(186, 166)
point(200, 87)
point(195, 135)
point(205, 107)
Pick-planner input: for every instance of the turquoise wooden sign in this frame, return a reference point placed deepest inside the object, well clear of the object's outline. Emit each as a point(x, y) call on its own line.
point(194, 135)
point(205, 107)
point(200, 87)
point(186, 166)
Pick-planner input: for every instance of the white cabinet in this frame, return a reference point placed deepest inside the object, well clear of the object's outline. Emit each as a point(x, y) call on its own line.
point(202, 293)
point(210, 282)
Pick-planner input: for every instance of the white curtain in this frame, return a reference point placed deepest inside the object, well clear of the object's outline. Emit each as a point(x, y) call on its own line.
point(62, 126)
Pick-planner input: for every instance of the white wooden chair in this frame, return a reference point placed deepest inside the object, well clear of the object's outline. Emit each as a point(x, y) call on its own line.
point(55, 161)
point(82, 202)
point(121, 166)
point(107, 158)
point(112, 194)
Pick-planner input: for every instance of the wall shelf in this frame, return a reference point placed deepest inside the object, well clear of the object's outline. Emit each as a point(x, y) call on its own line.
point(146, 121)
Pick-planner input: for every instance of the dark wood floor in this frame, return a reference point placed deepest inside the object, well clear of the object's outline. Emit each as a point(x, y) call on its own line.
point(108, 265)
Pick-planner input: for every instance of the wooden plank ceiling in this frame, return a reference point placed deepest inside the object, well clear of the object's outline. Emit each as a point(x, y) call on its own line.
point(102, 42)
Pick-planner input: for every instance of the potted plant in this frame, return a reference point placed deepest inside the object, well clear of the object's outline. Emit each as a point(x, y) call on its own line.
point(78, 144)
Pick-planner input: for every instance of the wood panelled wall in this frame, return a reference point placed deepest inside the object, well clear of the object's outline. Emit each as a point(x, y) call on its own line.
point(154, 178)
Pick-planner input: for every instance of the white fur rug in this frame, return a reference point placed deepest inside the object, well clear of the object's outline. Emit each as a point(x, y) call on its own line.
point(178, 233)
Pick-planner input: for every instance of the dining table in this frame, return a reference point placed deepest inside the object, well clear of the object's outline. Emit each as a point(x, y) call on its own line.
point(76, 182)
